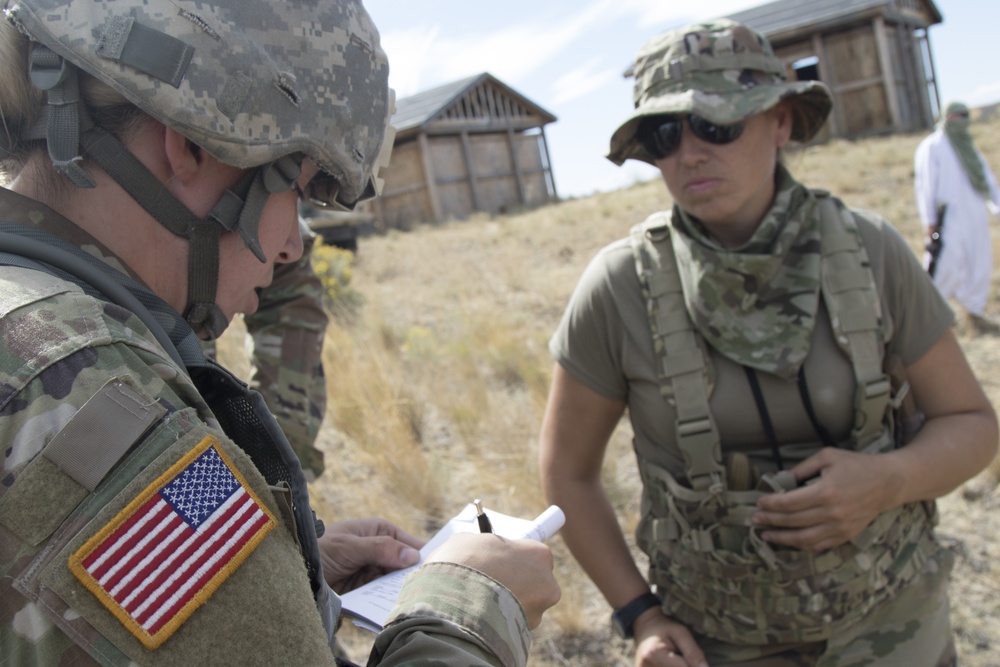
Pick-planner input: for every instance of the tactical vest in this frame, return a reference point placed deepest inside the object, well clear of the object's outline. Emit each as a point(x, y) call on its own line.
point(707, 560)
point(241, 411)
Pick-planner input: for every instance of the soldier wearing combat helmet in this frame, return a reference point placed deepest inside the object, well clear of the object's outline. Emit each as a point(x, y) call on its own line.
point(754, 332)
point(151, 510)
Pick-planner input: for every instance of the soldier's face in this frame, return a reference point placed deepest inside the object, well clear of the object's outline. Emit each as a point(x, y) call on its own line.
point(241, 274)
point(729, 187)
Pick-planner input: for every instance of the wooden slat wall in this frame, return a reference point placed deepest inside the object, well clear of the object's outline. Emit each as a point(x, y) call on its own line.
point(474, 157)
point(404, 199)
point(792, 53)
point(875, 68)
point(856, 80)
point(536, 191)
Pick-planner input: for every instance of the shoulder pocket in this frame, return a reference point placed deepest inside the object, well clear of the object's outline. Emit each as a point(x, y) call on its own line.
point(77, 459)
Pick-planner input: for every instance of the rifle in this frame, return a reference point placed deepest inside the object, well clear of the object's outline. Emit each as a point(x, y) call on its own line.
point(935, 242)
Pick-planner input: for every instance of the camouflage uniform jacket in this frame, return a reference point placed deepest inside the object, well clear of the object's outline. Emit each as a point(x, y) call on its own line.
point(111, 456)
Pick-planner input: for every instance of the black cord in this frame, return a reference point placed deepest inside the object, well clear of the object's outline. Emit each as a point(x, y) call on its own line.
point(824, 435)
point(765, 416)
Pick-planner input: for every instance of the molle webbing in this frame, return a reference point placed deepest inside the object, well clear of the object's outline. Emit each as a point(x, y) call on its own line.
point(681, 359)
point(855, 310)
point(805, 597)
point(851, 298)
point(707, 559)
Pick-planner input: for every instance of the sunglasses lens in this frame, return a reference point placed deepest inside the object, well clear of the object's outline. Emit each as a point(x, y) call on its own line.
point(714, 133)
point(322, 191)
point(660, 136)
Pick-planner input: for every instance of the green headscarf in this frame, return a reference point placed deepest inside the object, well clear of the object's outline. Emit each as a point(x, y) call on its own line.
point(957, 131)
point(756, 304)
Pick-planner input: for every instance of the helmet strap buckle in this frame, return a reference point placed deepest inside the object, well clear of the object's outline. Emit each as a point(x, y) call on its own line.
point(59, 78)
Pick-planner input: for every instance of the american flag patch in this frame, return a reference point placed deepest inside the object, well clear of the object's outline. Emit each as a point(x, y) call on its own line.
point(165, 554)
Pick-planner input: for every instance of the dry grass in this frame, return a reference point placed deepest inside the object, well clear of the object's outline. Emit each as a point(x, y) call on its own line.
point(437, 387)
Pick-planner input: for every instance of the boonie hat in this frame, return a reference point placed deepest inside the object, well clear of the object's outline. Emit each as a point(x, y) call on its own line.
point(720, 70)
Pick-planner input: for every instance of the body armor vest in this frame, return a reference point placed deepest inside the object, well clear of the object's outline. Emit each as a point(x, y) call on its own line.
point(706, 558)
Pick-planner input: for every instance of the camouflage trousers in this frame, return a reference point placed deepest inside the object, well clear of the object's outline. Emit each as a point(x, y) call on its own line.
point(912, 629)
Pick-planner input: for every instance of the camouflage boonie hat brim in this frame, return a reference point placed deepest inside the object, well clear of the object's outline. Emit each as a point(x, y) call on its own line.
point(722, 71)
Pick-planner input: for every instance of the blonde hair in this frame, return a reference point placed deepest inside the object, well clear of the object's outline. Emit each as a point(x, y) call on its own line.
point(20, 102)
point(21, 105)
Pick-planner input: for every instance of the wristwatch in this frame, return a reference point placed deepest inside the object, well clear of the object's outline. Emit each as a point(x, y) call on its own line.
point(623, 618)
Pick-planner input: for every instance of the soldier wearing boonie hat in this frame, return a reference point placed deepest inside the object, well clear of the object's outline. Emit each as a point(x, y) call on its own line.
point(721, 71)
point(754, 334)
point(151, 510)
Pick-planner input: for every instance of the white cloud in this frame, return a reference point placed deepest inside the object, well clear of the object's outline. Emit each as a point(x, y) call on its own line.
point(423, 56)
point(408, 53)
point(664, 15)
point(983, 94)
point(582, 80)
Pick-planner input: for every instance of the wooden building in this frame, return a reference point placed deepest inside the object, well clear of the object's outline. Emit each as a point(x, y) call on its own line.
point(873, 54)
point(468, 146)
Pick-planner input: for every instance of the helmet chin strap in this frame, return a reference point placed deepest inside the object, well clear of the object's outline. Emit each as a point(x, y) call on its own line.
point(201, 312)
point(69, 132)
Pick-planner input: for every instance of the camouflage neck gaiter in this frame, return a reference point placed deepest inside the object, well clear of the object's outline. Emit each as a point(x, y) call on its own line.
point(957, 131)
point(756, 304)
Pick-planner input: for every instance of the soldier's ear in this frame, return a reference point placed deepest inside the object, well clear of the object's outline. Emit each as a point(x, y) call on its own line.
point(195, 176)
point(185, 158)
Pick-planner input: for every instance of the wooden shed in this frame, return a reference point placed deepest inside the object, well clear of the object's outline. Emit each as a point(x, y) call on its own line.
point(468, 146)
point(873, 54)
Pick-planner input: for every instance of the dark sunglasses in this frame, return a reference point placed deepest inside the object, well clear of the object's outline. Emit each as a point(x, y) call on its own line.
point(661, 135)
point(322, 190)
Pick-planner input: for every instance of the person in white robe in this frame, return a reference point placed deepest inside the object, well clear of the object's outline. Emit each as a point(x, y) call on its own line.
point(955, 187)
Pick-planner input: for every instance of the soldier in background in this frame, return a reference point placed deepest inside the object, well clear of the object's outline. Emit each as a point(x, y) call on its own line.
point(151, 510)
point(750, 333)
point(954, 187)
point(286, 353)
point(287, 331)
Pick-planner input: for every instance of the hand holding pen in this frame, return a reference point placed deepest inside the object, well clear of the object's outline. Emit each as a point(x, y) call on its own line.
point(523, 565)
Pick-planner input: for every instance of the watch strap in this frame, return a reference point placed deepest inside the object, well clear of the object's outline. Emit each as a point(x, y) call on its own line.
point(623, 619)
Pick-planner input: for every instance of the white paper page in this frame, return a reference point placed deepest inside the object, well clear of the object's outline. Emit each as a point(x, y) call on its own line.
point(370, 604)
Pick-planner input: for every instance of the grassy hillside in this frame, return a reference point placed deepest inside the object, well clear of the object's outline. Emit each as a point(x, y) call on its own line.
point(438, 381)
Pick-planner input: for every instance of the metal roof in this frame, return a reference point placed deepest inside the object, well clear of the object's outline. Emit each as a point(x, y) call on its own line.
point(783, 16)
point(417, 110)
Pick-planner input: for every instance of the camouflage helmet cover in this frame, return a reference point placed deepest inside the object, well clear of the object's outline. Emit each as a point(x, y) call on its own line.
point(720, 70)
point(249, 81)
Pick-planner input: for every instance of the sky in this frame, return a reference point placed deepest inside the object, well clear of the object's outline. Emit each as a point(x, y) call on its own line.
point(568, 56)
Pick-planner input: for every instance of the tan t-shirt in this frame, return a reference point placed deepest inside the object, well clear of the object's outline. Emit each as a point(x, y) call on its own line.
point(604, 341)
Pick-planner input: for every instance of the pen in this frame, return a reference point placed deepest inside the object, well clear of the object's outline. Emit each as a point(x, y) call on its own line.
point(484, 521)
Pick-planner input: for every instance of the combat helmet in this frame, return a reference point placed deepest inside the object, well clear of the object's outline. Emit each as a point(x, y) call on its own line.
point(260, 85)
point(721, 70)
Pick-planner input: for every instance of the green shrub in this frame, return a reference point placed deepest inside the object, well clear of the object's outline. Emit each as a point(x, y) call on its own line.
point(335, 268)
